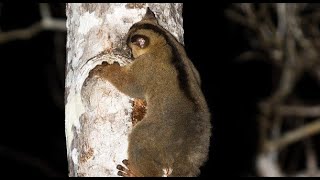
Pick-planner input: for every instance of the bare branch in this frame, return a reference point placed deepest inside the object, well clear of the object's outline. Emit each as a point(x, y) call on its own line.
point(267, 166)
point(291, 43)
point(54, 24)
point(295, 135)
point(311, 158)
point(46, 23)
point(44, 10)
point(20, 33)
point(302, 111)
point(237, 17)
point(287, 81)
point(282, 20)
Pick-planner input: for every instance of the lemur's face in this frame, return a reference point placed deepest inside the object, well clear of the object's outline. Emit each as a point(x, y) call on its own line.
point(142, 40)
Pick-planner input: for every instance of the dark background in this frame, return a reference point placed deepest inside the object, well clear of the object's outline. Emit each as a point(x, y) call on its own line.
point(32, 139)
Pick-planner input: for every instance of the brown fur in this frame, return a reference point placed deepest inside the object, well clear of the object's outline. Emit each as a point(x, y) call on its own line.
point(175, 132)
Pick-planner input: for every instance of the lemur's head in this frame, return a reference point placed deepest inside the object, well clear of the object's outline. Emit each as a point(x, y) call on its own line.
point(145, 35)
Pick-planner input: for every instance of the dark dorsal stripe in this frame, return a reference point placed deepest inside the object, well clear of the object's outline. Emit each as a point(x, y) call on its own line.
point(176, 60)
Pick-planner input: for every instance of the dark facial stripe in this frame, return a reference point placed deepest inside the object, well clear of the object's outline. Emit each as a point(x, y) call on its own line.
point(176, 60)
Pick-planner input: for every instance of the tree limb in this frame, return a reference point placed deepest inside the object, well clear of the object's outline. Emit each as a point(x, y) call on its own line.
point(290, 40)
point(294, 135)
point(311, 158)
point(46, 23)
point(267, 165)
point(302, 111)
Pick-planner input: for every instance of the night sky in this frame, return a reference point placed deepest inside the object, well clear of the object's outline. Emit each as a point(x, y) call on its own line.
point(32, 127)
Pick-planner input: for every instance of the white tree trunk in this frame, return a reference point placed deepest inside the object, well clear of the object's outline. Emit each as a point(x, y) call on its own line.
point(98, 116)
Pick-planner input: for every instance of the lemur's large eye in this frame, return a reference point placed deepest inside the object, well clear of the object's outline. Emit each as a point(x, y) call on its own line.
point(140, 40)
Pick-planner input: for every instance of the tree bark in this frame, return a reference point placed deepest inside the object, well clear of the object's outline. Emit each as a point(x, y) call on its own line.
point(98, 118)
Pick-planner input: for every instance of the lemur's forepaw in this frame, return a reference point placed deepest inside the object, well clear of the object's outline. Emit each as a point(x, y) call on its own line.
point(124, 170)
point(97, 70)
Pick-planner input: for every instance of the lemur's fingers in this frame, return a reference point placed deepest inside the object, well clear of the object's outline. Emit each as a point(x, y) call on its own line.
point(125, 170)
point(125, 162)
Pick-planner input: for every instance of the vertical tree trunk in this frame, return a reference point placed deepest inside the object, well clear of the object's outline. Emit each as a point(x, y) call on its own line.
point(98, 116)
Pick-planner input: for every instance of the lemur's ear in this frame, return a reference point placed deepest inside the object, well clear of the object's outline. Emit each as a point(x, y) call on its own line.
point(150, 16)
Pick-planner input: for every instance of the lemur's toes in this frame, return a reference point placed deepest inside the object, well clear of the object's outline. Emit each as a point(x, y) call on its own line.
point(121, 173)
point(120, 167)
point(125, 170)
point(125, 162)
